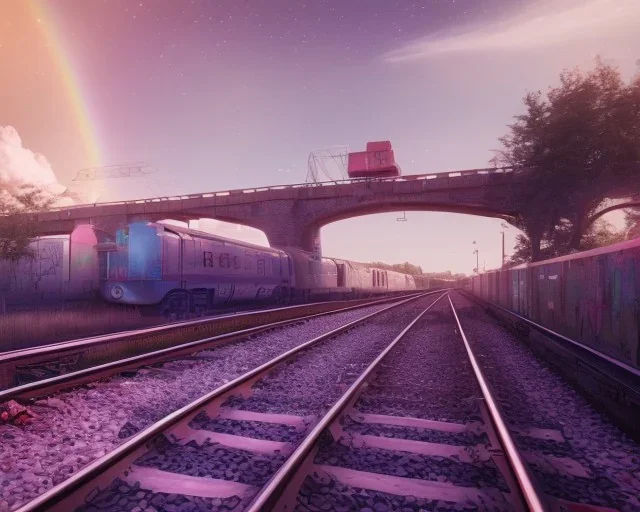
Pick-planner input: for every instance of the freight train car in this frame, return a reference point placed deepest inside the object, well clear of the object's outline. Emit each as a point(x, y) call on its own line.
point(360, 279)
point(592, 297)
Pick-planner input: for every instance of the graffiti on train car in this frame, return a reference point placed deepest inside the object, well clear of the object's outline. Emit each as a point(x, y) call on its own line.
point(591, 297)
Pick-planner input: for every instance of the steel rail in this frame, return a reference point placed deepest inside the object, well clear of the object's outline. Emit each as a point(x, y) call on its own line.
point(171, 326)
point(528, 489)
point(97, 338)
point(610, 383)
point(635, 372)
point(270, 496)
point(79, 377)
point(105, 469)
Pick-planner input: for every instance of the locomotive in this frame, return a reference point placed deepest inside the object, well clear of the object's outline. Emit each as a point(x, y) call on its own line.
point(182, 270)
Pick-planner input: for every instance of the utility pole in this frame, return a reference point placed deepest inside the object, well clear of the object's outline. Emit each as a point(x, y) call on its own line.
point(476, 252)
point(504, 226)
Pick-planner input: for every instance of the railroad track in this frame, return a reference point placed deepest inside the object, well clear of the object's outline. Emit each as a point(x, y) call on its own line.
point(354, 459)
point(612, 384)
point(88, 421)
point(377, 451)
point(392, 412)
point(20, 367)
point(331, 352)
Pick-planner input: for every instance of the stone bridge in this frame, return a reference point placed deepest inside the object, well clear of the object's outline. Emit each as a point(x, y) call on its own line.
point(292, 215)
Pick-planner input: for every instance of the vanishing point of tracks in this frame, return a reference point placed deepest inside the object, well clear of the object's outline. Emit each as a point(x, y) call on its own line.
point(367, 416)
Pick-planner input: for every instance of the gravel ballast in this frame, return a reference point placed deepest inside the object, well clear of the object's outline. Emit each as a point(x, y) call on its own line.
point(408, 465)
point(214, 461)
point(427, 375)
point(416, 434)
point(307, 385)
point(255, 429)
point(311, 383)
point(122, 497)
point(325, 494)
point(76, 427)
point(531, 394)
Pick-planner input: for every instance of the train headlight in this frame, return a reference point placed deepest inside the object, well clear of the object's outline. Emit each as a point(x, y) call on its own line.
point(117, 292)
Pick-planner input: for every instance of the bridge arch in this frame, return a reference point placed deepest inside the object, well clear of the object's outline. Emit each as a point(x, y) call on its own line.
point(309, 235)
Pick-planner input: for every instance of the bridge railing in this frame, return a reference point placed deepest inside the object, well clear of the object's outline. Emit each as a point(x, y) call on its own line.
point(412, 177)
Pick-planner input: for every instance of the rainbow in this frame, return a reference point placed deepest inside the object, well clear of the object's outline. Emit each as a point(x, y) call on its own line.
point(78, 99)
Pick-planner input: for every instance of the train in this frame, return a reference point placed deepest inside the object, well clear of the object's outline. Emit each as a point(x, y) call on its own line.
point(592, 297)
point(182, 271)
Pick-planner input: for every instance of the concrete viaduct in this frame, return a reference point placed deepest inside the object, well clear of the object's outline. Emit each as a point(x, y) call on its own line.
point(292, 215)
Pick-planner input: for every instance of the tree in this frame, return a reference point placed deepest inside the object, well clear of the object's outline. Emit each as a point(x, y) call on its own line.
point(405, 268)
point(582, 144)
point(632, 219)
point(600, 234)
point(17, 230)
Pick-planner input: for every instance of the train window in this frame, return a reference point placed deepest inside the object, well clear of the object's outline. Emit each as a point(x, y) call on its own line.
point(207, 259)
point(224, 260)
point(373, 276)
point(236, 262)
point(260, 266)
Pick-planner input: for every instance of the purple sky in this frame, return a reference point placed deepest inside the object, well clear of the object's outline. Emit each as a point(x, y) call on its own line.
point(233, 94)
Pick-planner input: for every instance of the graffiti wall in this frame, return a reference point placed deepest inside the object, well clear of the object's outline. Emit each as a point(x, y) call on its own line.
point(591, 297)
point(59, 267)
point(45, 270)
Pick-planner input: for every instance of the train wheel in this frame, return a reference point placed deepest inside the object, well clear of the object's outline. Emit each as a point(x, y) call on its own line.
point(177, 306)
point(278, 296)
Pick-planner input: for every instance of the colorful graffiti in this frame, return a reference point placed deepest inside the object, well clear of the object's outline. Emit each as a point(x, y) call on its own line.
point(591, 297)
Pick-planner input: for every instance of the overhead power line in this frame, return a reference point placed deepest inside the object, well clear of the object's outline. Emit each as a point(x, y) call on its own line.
point(130, 170)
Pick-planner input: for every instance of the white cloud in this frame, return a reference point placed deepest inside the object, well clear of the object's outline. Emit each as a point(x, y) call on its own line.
point(21, 167)
point(543, 25)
